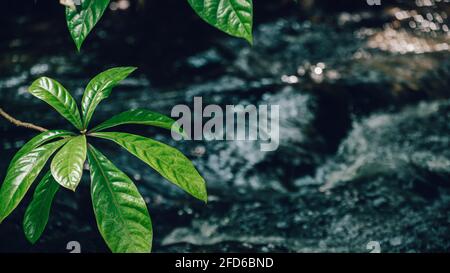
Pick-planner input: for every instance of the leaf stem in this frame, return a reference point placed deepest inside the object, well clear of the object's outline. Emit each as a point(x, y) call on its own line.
point(21, 123)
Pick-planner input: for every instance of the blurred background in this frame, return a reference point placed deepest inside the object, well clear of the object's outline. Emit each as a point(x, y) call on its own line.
point(364, 110)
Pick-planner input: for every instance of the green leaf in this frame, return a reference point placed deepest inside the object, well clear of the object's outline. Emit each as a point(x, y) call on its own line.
point(140, 116)
point(67, 165)
point(22, 174)
point(234, 17)
point(38, 141)
point(121, 212)
point(38, 212)
point(84, 18)
point(99, 88)
point(166, 160)
point(53, 93)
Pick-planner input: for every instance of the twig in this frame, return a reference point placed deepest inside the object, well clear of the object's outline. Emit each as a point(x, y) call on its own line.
point(21, 123)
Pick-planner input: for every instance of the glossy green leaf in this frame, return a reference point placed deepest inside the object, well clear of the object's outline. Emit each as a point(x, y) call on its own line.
point(121, 213)
point(38, 212)
point(99, 88)
point(67, 165)
point(22, 174)
point(234, 17)
point(83, 18)
point(37, 141)
point(140, 116)
point(166, 160)
point(53, 93)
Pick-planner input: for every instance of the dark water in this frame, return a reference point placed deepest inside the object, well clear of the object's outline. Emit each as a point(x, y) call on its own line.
point(364, 111)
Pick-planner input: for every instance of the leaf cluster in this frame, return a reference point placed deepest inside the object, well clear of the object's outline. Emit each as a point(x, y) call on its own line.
point(234, 17)
point(121, 212)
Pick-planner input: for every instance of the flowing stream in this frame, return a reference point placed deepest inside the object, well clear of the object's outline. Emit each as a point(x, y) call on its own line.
point(364, 113)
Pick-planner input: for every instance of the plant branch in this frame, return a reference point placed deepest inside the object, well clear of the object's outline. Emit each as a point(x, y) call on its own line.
point(21, 123)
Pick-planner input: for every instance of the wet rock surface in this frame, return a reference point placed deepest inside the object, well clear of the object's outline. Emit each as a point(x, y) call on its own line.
point(364, 125)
